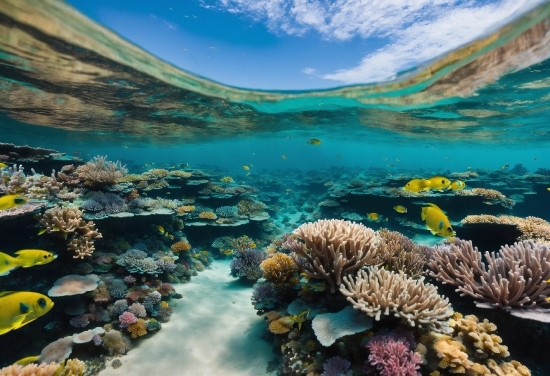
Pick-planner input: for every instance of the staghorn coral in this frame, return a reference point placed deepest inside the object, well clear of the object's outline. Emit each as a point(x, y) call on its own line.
point(331, 249)
point(68, 224)
point(515, 277)
point(391, 354)
point(399, 253)
point(279, 269)
point(99, 172)
point(138, 329)
point(383, 292)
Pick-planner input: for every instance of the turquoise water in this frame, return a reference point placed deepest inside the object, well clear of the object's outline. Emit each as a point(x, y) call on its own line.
point(81, 90)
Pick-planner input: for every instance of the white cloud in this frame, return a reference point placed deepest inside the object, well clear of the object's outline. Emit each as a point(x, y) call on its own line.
point(309, 70)
point(417, 30)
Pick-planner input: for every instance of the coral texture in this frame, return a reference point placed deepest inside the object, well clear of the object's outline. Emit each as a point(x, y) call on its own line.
point(515, 277)
point(279, 269)
point(99, 172)
point(391, 354)
point(382, 292)
point(331, 249)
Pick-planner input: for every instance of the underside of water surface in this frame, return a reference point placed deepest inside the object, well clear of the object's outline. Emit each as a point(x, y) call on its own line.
point(207, 172)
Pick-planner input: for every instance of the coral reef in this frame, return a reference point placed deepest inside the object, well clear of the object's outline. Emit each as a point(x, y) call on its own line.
point(532, 228)
point(280, 269)
point(381, 292)
point(391, 354)
point(331, 249)
point(99, 172)
point(247, 264)
point(515, 277)
point(69, 225)
point(399, 253)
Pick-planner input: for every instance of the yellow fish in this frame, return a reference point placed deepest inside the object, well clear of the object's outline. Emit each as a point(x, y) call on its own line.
point(373, 217)
point(3, 165)
point(161, 229)
point(439, 183)
point(246, 168)
point(436, 221)
point(548, 188)
point(18, 308)
point(314, 141)
point(457, 185)
point(417, 185)
point(27, 360)
point(400, 209)
point(228, 252)
point(11, 201)
point(283, 156)
point(300, 317)
point(25, 259)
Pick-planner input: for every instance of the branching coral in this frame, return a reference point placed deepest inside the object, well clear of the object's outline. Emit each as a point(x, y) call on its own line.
point(399, 253)
point(99, 172)
point(247, 264)
point(68, 223)
point(383, 292)
point(480, 334)
point(331, 249)
point(279, 269)
point(515, 277)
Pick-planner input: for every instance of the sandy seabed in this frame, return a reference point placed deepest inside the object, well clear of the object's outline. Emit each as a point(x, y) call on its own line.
point(214, 330)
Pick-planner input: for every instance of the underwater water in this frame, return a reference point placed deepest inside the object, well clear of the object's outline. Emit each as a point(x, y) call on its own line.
point(192, 184)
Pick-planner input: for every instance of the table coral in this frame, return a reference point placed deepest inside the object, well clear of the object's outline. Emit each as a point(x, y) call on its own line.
point(207, 215)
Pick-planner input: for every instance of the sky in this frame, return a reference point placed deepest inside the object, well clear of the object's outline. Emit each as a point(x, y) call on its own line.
point(300, 44)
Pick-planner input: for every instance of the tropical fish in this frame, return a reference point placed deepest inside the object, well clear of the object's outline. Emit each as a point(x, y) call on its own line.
point(417, 185)
point(505, 166)
point(18, 308)
point(400, 209)
point(300, 317)
point(227, 252)
point(314, 141)
point(439, 183)
point(246, 168)
point(25, 259)
point(283, 156)
point(27, 360)
point(436, 221)
point(11, 201)
point(373, 217)
point(3, 165)
point(42, 231)
point(161, 229)
point(457, 185)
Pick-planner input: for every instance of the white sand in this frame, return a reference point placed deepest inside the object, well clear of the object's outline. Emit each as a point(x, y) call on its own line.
point(214, 330)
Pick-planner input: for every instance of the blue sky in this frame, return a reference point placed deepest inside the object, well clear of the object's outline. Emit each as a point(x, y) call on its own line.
point(299, 44)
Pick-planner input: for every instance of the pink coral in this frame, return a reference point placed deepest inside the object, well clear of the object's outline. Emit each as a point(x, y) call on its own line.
point(127, 318)
point(129, 279)
point(165, 289)
point(390, 354)
point(80, 321)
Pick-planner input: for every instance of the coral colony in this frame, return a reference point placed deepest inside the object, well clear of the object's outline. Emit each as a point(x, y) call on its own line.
point(341, 292)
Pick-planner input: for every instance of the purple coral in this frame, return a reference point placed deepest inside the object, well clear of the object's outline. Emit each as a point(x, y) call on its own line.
point(97, 339)
point(247, 264)
point(126, 319)
point(390, 354)
point(335, 366)
point(80, 321)
point(129, 279)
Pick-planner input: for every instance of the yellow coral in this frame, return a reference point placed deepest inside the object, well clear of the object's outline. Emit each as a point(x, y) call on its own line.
point(279, 269)
point(180, 246)
point(156, 173)
point(73, 367)
point(243, 242)
point(513, 368)
point(208, 215)
point(138, 329)
point(185, 209)
point(481, 334)
point(180, 174)
point(226, 179)
point(281, 325)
